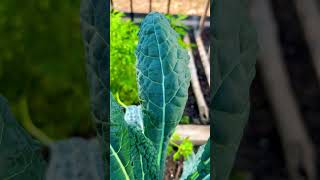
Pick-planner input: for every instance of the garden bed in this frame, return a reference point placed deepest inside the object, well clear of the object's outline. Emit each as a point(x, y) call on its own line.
point(192, 107)
point(261, 152)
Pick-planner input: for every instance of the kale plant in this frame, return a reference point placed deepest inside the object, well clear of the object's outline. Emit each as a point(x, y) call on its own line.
point(123, 42)
point(139, 135)
point(139, 142)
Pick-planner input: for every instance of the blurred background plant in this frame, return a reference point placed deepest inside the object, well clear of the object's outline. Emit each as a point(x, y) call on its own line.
point(182, 150)
point(123, 42)
point(185, 120)
point(42, 69)
point(176, 22)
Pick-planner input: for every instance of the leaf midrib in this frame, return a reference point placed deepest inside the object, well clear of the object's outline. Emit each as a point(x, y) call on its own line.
point(163, 100)
point(123, 169)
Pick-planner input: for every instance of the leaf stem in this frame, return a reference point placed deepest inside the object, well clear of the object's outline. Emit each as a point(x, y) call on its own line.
point(173, 143)
point(29, 126)
point(119, 100)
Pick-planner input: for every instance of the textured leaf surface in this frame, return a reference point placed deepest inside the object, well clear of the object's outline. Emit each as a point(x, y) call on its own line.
point(20, 155)
point(143, 155)
point(233, 69)
point(94, 19)
point(120, 165)
point(163, 80)
point(198, 166)
point(132, 155)
point(75, 159)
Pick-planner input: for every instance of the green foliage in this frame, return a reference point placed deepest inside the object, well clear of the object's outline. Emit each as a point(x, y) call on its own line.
point(197, 167)
point(95, 33)
point(184, 149)
point(137, 151)
point(163, 79)
point(123, 42)
point(19, 153)
point(139, 138)
point(233, 63)
point(21, 156)
point(177, 24)
point(185, 119)
point(132, 155)
point(233, 69)
point(41, 58)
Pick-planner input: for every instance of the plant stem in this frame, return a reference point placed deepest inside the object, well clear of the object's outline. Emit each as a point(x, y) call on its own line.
point(29, 126)
point(119, 100)
point(174, 144)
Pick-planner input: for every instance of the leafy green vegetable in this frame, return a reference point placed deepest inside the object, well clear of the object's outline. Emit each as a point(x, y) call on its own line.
point(233, 69)
point(41, 59)
point(132, 154)
point(163, 79)
point(197, 167)
point(139, 137)
point(177, 25)
point(120, 166)
point(123, 42)
point(94, 18)
point(184, 149)
point(185, 119)
point(19, 153)
point(146, 159)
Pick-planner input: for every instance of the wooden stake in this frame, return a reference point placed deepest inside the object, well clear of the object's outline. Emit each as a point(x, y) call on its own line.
point(202, 105)
point(299, 150)
point(203, 55)
point(309, 15)
point(203, 17)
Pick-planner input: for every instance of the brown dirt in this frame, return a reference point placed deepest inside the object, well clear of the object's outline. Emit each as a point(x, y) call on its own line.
point(173, 168)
